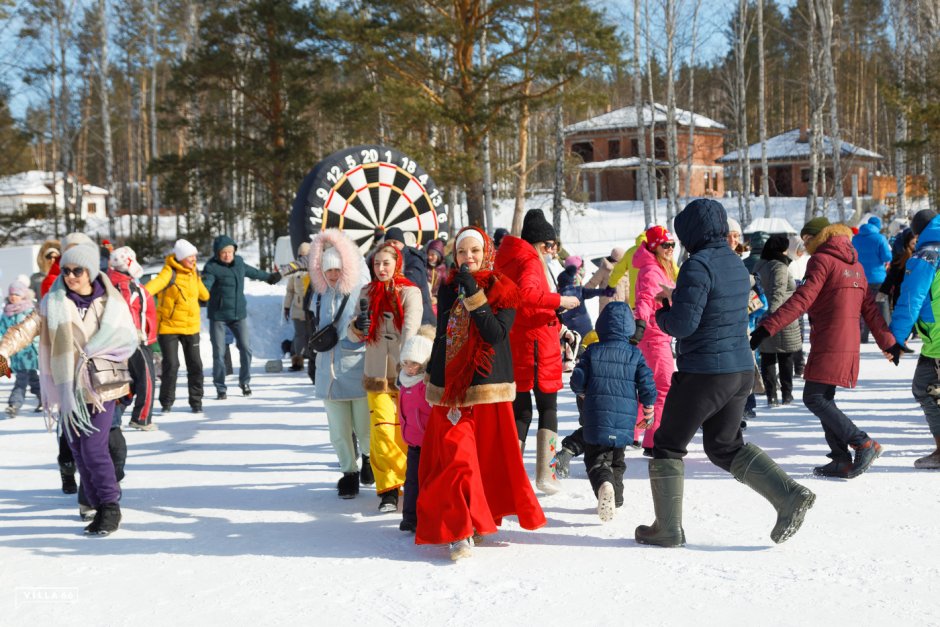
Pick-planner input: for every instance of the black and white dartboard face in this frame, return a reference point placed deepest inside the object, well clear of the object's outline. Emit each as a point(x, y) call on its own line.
point(362, 188)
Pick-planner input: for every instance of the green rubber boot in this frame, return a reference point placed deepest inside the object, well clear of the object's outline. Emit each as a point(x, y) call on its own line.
point(667, 478)
point(754, 468)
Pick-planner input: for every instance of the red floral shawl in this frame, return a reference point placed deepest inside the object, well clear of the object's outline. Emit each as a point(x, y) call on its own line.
point(467, 354)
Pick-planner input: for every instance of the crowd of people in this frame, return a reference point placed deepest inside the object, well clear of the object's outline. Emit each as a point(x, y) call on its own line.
point(427, 359)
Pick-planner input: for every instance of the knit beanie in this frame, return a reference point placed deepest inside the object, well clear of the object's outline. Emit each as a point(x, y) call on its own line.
point(330, 260)
point(395, 234)
point(183, 250)
point(76, 239)
point(814, 226)
point(417, 348)
point(535, 228)
point(17, 288)
point(437, 246)
point(921, 219)
point(124, 259)
point(84, 256)
point(776, 245)
point(574, 260)
point(734, 226)
point(656, 235)
point(498, 236)
point(303, 250)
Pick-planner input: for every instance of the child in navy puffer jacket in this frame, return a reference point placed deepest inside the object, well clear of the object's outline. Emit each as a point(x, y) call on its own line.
point(611, 376)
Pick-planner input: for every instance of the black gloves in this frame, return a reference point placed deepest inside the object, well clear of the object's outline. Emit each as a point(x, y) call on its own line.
point(638, 334)
point(757, 336)
point(465, 282)
point(895, 352)
point(4, 367)
point(610, 292)
point(287, 313)
point(363, 322)
point(274, 277)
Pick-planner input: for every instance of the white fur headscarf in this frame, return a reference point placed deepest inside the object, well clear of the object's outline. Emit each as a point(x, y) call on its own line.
point(349, 255)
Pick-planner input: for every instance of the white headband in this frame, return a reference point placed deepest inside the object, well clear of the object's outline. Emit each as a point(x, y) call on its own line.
point(469, 233)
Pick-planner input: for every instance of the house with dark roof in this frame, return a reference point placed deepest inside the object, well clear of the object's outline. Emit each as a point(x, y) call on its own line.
point(608, 148)
point(789, 169)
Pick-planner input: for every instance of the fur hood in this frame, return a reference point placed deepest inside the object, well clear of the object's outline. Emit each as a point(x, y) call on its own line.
point(833, 230)
point(43, 263)
point(351, 278)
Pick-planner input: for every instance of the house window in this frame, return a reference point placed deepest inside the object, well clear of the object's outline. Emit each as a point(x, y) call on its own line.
point(707, 178)
point(92, 208)
point(715, 181)
point(660, 145)
point(613, 148)
point(585, 150)
point(634, 147)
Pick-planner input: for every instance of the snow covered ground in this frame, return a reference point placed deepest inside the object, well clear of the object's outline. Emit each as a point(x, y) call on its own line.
point(232, 517)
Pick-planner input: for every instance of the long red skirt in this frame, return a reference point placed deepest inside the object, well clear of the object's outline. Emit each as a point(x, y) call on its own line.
point(471, 475)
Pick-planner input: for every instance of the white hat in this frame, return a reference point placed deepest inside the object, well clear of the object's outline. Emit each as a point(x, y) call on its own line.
point(330, 260)
point(124, 259)
point(75, 239)
point(183, 250)
point(83, 256)
point(734, 226)
point(416, 348)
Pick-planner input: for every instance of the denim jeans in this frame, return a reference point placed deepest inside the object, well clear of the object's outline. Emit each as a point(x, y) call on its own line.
point(239, 329)
point(24, 379)
point(840, 431)
point(925, 375)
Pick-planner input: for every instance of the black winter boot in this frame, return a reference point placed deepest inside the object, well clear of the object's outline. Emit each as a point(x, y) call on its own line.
point(67, 472)
point(667, 478)
point(348, 486)
point(389, 502)
point(108, 520)
point(366, 476)
point(754, 468)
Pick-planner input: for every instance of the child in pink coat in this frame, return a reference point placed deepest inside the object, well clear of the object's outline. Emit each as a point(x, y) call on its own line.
point(413, 412)
point(652, 259)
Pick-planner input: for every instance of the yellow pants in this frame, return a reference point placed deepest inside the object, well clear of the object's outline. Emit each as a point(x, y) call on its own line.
point(387, 451)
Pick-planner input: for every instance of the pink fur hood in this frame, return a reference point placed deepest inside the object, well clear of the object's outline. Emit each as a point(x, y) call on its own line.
point(353, 263)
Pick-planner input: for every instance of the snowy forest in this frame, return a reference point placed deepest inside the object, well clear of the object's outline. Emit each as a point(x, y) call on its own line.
point(213, 111)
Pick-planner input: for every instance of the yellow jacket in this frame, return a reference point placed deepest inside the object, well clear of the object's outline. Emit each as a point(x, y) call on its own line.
point(178, 290)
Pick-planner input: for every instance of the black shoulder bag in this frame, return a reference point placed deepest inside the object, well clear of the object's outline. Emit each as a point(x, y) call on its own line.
point(323, 340)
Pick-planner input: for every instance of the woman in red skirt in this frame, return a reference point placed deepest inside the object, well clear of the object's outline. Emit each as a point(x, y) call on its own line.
point(471, 473)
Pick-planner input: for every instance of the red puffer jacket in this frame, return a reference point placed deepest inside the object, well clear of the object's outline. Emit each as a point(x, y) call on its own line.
point(141, 305)
point(835, 294)
point(536, 347)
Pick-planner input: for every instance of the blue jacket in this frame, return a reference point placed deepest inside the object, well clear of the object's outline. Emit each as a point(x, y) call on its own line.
point(873, 250)
point(919, 301)
point(577, 319)
point(708, 314)
point(611, 374)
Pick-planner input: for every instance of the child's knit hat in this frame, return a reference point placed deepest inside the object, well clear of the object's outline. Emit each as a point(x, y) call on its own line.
point(417, 348)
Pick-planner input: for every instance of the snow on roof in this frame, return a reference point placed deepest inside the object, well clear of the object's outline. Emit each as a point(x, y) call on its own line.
point(787, 146)
point(770, 225)
point(627, 118)
point(622, 162)
point(36, 183)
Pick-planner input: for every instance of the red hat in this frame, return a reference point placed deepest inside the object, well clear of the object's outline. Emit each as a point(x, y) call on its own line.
point(656, 235)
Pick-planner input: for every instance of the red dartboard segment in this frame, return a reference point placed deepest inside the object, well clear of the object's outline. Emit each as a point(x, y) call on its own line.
point(359, 189)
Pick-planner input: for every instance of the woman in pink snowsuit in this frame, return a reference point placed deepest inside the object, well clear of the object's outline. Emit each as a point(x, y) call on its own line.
point(653, 259)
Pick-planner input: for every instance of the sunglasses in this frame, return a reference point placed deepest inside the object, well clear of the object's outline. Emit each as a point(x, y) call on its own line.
point(550, 245)
point(52, 255)
point(668, 245)
point(75, 272)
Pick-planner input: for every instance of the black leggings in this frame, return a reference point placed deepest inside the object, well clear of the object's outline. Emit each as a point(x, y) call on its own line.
point(547, 405)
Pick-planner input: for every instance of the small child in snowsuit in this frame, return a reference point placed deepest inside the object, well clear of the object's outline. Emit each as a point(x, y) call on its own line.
point(611, 376)
point(413, 412)
point(20, 302)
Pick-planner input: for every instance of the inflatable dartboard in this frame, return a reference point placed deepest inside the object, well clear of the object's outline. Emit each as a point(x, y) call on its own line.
point(364, 188)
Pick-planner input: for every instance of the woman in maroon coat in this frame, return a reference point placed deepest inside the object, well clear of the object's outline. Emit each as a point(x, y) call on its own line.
point(534, 338)
point(835, 295)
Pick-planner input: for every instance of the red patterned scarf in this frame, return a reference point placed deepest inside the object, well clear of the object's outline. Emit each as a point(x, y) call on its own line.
point(467, 354)
point(385, 296)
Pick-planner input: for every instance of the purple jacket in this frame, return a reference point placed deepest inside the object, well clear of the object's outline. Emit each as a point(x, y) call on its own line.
point(413, 412)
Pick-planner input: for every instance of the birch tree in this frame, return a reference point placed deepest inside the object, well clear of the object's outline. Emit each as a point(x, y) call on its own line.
point(642, 178)
point(762, 111)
